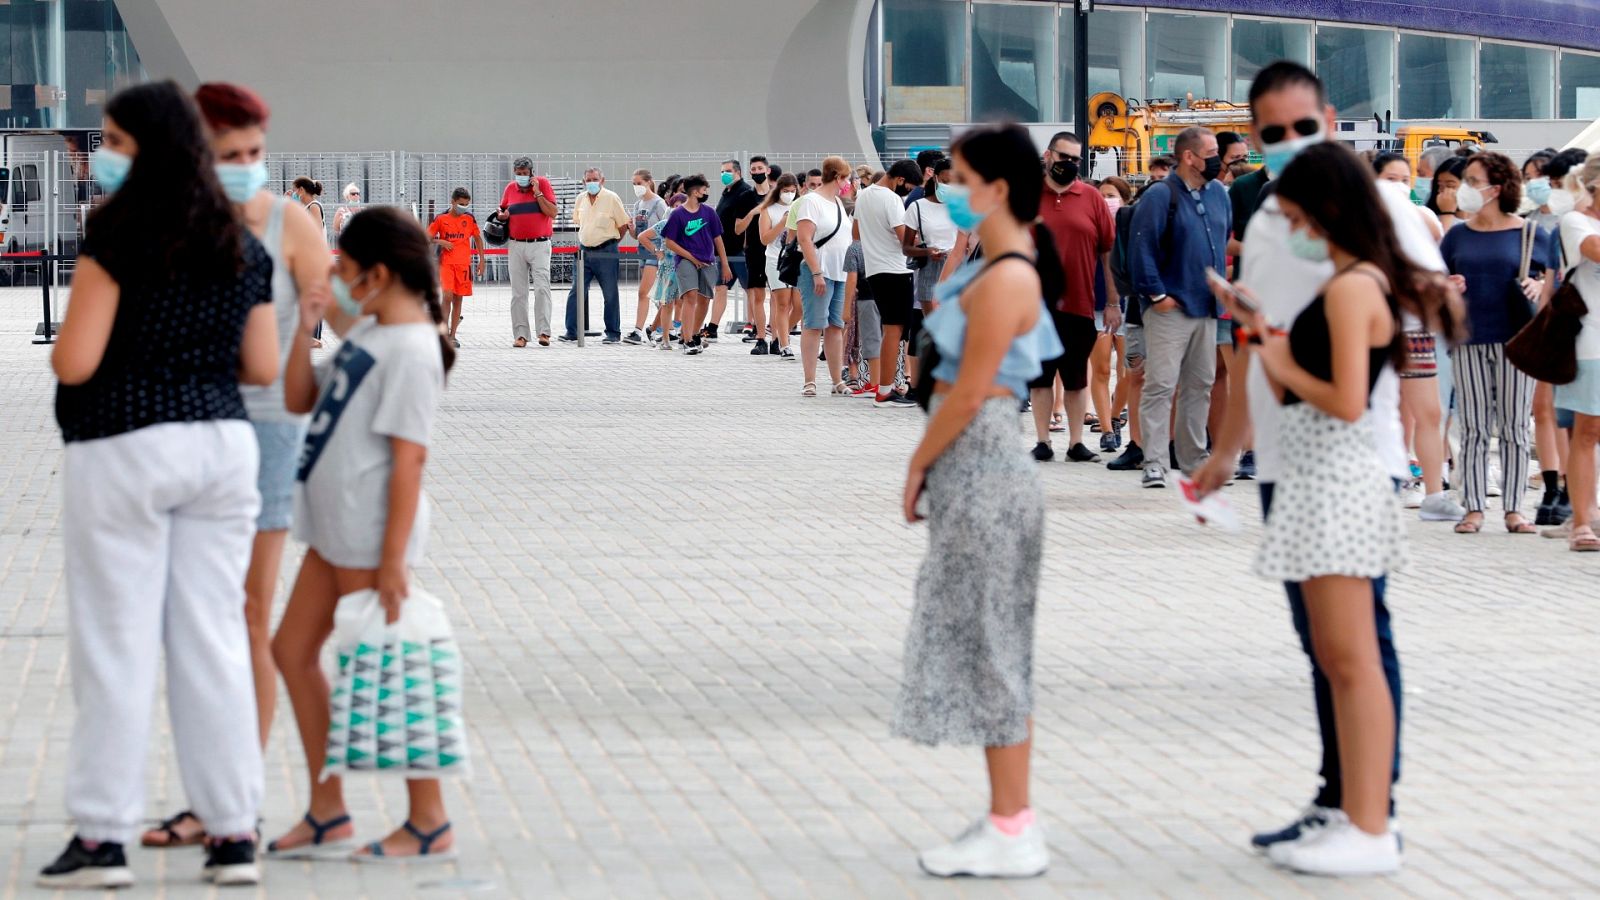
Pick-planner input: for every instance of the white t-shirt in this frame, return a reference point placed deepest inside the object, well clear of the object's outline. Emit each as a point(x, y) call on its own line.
point(1286, 285)
point(826, 213)
point(776, 213)
point(384, 382)
point(932, 221)
point(1575, 229)
point(880, 211)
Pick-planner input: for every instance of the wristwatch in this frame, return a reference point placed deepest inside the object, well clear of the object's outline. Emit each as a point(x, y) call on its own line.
point(1158, 298)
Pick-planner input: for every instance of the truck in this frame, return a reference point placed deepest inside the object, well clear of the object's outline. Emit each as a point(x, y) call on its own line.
point(33, 165)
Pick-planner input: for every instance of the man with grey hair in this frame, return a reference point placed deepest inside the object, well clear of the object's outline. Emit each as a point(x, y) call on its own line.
point(1427, 164)
point(602, 224)
point(1180, 228)
point(528, 206)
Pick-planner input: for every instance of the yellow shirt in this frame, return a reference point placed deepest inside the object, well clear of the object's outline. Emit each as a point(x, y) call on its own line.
point(600, 218)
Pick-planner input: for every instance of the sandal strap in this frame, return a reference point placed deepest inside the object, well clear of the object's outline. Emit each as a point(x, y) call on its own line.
point(319, 830)
point(425, 841)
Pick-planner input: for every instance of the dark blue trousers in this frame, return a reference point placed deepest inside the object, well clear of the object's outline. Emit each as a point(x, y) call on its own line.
point(600, 264)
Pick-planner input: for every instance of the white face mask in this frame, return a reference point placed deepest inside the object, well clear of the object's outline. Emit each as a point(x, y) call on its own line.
point(1469, 199)
point(640, 190)
point(1562, 201)
point(787, 197)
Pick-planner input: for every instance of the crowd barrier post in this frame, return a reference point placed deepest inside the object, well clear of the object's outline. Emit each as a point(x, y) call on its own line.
point(47, 331)
point(580, 295)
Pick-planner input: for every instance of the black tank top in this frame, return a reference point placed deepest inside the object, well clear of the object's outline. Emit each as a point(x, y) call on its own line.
point(1312, 346)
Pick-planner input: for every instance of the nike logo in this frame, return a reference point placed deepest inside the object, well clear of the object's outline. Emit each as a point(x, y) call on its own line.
point(693, 228)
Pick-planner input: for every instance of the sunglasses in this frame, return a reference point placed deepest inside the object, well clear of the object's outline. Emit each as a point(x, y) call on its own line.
point(1273, 134)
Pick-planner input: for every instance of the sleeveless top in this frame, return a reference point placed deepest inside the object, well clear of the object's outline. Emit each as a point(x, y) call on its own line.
point(1311, 345)
point(947, 328)
point(265, 404)
point(173, 353)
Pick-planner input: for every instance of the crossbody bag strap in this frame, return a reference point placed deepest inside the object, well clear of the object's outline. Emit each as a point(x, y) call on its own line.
point(1528, 230)
point(837, 224)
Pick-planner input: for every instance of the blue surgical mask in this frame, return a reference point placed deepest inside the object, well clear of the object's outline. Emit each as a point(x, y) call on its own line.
point(241, 182)
point(1421, 189)
point(957, 200)
point(524, 180)
point(727, 178)
point(347, 303)
point(1278, 156)
point(593, 187)
point(110, 169)
point(1538, 191)
point(1308, 247)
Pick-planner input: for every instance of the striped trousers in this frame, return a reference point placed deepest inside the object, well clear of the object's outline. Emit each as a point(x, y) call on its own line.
point(1492, 395)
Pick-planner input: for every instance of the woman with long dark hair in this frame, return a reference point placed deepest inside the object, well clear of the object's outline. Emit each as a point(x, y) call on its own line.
point(1442, 192)
point(359, 505)
point(969, 648)
point(1335, 520)
point(785, 299)
point(171, 309)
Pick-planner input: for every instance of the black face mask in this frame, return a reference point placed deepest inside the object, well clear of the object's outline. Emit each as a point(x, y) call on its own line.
point(1064, 171)
point(758, 177)
point(1213, 167)
point(903, 189)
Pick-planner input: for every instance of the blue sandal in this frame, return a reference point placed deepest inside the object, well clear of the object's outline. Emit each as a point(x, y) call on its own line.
point(320, 845)
point(424, 852)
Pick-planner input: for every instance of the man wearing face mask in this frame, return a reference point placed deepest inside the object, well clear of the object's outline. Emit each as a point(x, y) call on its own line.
point(755, 252)
point(881, 215)
point(737, 199)
point(1080, 226)
point(456, 233)
point(602, 224)
point(1289, 112)
point(528, 204)
point(1427, 164)
point(1179, 229)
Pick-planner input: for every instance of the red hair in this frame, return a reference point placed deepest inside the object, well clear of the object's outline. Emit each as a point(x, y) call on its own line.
point(226, 106)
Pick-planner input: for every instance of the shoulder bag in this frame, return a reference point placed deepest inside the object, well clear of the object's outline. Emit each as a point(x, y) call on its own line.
point(919, 262)
point(790, 257)
point(1519, 310)
point(1546, 348)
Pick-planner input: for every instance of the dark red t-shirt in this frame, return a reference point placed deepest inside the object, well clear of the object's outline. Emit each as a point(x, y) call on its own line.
point(528, 221)
point(1081, 224)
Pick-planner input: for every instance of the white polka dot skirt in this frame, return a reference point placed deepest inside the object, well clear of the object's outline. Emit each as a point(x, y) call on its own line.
point(1334, 510)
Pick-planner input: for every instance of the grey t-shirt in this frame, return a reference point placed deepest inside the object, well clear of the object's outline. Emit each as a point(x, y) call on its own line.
point(384, 382)
point(647, 214)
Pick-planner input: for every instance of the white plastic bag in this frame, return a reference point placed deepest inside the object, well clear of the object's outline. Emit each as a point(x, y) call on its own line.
point(396, 701)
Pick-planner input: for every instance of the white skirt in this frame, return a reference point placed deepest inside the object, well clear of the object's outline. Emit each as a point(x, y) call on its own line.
point(1334, 510)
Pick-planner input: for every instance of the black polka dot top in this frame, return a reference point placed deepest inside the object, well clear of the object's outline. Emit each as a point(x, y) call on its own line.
point(173, 355)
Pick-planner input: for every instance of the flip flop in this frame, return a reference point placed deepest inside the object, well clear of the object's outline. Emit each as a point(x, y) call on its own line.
point(1583, 540)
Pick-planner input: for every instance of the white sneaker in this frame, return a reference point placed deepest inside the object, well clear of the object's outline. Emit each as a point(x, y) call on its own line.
point(1494, 478)
point(984, 851)
point(1340, 849)
point(1441, 507)
point(1413, 495)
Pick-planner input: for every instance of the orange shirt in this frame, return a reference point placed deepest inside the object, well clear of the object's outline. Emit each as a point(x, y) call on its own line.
point(458, 230)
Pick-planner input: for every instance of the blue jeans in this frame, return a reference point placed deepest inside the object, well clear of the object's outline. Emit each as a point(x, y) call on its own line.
point(1332, 793)
point(600, 264)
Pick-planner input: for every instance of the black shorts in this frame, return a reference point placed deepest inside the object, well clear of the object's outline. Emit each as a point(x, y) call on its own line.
point(757, 270)
point(894, 294)
point(1077, 335)
point(740, 273)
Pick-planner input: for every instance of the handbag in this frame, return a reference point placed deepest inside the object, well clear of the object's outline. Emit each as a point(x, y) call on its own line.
point(1519, 310)
point(396, 703)
point(1547, 347)
point(790, 257)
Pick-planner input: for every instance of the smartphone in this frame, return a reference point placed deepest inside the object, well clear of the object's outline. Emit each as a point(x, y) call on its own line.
point(1216, 279)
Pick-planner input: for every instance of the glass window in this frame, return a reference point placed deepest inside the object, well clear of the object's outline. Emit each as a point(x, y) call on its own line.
point(1257, 44)
point(1515, 82)
point(1580, 85)
point(1357, 68)
point(1186, 55)
point(1116, 55)
point(925, 60)
point(27, 57)
point(1435, 77)
point(1013, 61)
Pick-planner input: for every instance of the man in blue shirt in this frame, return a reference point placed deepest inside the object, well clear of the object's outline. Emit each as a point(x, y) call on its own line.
point(1180, 227)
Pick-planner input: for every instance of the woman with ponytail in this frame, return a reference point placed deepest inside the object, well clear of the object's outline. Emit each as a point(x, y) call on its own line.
point(359, 505)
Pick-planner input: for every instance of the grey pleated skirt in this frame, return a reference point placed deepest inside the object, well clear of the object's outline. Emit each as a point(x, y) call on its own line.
point(969, 648)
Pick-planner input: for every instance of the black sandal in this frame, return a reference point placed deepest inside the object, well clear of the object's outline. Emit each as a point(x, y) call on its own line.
point(424, 852)
point(319, 844)
point(170, 829)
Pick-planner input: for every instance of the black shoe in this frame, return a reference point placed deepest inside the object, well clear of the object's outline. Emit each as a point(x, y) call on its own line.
point(710, 333)
point(1042, 452)
point(1547, 509)
point(1562, 510)
point(612, 340)
point(231, 862)
point(79, 867)
point(1110, 441)
point(1172, 451)
point(758, 348)
point(568, 340)
point(1080, 453)
point(773, 349)
point(1247, 466)
point(1131, 460)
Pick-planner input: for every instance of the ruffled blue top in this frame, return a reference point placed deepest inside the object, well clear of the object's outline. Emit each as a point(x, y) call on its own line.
point(947, 327)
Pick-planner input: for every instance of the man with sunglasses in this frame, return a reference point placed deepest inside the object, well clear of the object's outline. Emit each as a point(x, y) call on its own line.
point(1289, 112)
point(1180, 228)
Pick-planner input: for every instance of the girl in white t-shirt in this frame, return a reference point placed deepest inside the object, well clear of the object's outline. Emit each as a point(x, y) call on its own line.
point(359, 505)
point(785, 299)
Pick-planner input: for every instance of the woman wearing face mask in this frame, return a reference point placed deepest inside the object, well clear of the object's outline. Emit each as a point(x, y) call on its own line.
point(236, 119)
point(1580, 236)
point(172, 309)
point(823, 228)
point(305, 191)
point(1485, 260)
point(359, 506)
point(1549, 437)
point(648, 212)
point(774, 212)
point(1442, 200)
point(1108, 408)
point(1335, 523)
point(969, 649)
point(1536, 186)
point(929, 234)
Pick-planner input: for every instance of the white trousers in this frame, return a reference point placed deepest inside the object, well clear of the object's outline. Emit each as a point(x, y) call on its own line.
point(529, 262)
point(158, 525)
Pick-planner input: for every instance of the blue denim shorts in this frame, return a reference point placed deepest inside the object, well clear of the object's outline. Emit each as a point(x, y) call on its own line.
point(820, 311)
point(280, 457)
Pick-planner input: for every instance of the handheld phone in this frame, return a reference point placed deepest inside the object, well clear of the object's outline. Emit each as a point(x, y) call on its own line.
point(1216, 279)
